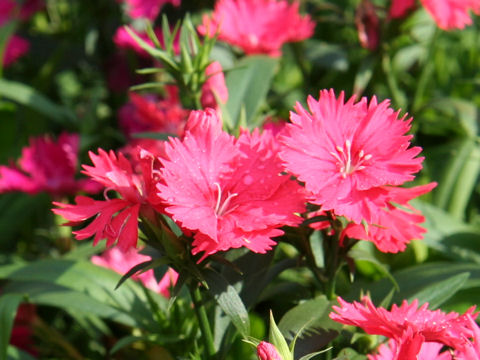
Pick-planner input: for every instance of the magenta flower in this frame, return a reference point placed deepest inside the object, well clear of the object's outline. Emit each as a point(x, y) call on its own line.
point(229, 192)
point(471, 349)
point(400, 8)
point(47, 166)
point(346, 152)
point(147, 8)
point(115, 219)
point(368, 25)
point(258, 26)
point(214, 87)
point(408, 325)
point(428, 351)
point(396, 226)
point(122, 261)
point(16, 48)
point(452, 14)
point(148, 113)
point(266, 351)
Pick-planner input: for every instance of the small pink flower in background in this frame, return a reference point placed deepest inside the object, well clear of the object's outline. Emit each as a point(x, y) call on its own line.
point(122, 261)
point(428, 351)
point(125, 41)
point(47, 165)
point(116, 220)
point(346, 152)
point(258, 26)
point(148, 113)
point(227, 191)
point(400, 8)
point(452, 14)
point(448, 14)
point(214, 87)
point(147, 8)
point(266, 351)
point(368, 25)
point(22, 331)
point(16, 48)
point(409, 325)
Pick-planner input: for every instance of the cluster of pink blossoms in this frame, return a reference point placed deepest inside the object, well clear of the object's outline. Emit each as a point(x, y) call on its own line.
point(47, 165)
point(448, 14)
point(414, 332)
point(148, 9)
point(16, 45)
point(257, 26)
point(229, 192)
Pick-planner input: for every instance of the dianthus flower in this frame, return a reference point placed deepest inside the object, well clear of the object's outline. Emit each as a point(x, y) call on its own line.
point(428, 351)
point(16, 47)
point(368, 25)
point(258, 26)
point(397, 224)
point(452, 14)
point(147, 8)
point(214, 87)
point(346, 153)
point(471, 349)
point(148, 113)
point(115, 219)
point(448, 14)
point(266, 351)
point(409, 325)
point(229, 192)
point(47, 165)
point(122, 261)
point(400, 8)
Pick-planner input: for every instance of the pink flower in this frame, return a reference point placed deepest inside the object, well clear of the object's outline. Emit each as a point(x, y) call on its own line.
point(346, 152)
point(16, 47)
point(228, 191)
point(258, 26)
point(452, 14)
point(22, 331)
point(48, 166)
point(115, 219)
point(408, 325)
point(400, 8)
point(396, 226)
point(368, 25)
point(428, 351)
point(266, 351)
point(471, 349)
point(147, 8)
point(123, 40)
point(122, 261)
point(148, 113)
point(214, 87)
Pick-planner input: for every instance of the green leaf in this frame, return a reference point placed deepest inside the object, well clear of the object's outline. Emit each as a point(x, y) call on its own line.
point(309, 356)
point(439, 292)
point(306, 317)
point(360, 254)
point(6, 30)
point(349, 354)
point(228, 299)
point(96, 282)
point(14, 353)
point(276, 338)
point(248, 84)
point(133, 271)
point(364, 75)
point(27, 96)
point(8, 310)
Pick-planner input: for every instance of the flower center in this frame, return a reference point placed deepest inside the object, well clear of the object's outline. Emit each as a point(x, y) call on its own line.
point(222, 207)
point(348, 162)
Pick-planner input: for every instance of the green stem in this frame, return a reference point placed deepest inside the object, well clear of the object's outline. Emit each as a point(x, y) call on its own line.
point(331, 266)
point(203, 321)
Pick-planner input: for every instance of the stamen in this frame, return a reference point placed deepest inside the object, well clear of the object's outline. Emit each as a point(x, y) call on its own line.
point(222, 208)
point(348, 163)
